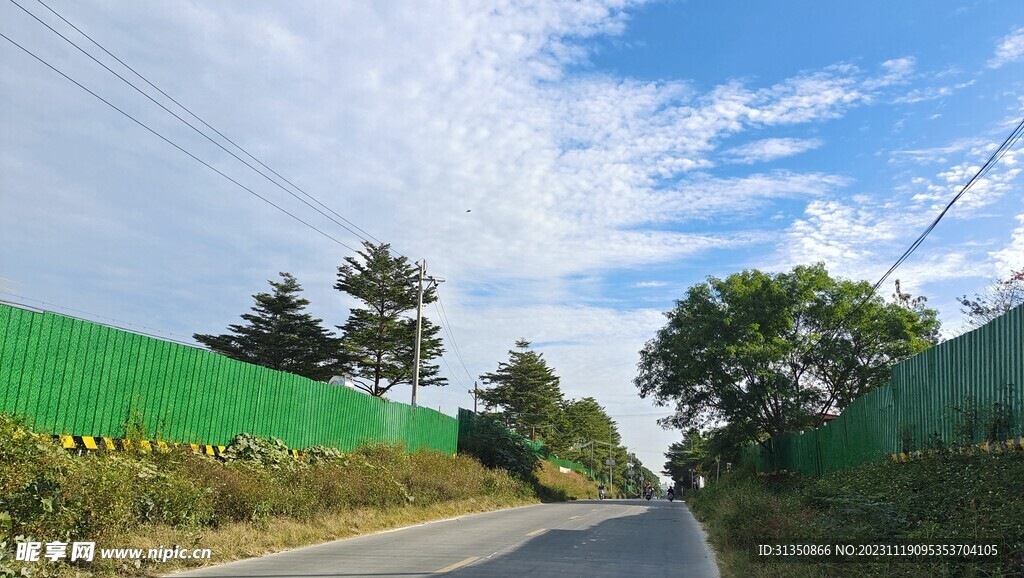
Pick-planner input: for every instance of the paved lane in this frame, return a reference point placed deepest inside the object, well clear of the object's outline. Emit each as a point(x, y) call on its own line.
point(584, 538)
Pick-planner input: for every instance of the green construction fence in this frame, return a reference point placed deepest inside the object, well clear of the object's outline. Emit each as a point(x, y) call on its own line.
point(918, 407)
point(73, 376)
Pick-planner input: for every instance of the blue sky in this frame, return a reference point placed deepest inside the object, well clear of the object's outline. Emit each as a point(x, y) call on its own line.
point(611, 153)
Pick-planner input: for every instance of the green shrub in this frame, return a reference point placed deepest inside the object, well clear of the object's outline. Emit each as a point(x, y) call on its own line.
point(949, 498)
point(497, 447)
point(267, 452)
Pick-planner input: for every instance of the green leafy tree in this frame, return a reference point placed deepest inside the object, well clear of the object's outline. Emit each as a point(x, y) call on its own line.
point(579, 422)
point(770, 353)
point(526, 390)
point(380, 336)
point(280, 334)
point(863, 337)
point(996, 299)
point(686, 456)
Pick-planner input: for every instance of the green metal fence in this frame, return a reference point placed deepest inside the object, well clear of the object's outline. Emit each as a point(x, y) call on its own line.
point(576, 467)
point(921, 407)
point(72, 376)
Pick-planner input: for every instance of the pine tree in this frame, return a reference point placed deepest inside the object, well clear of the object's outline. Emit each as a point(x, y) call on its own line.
point(526, 389)
point(281, 335)
point(380, 336)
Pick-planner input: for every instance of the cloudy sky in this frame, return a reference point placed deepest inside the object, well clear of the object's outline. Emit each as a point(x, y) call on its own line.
point(568, 168)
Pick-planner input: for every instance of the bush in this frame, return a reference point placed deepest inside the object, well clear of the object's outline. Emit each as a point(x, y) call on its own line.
point(940, 499)
point(267, 452)
point(48, 493)
point(497, 447)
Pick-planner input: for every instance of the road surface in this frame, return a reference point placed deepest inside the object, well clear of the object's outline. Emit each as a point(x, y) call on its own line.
point(584, 538)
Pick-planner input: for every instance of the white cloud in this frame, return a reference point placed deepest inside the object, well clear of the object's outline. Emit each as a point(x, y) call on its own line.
point(931, 93)
point(997, 182)
point(1010, 49)
point(897, 71)
point(770, 149)
point(860, 240)
point(1011, 257)
point(649, 284)
point(935, 154)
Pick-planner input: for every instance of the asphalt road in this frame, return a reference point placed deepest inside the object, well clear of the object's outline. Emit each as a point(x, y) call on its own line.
point(585, 538)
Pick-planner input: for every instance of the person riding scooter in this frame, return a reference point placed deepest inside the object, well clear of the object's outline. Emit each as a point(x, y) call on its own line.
point(600, 492)
point(671, 493)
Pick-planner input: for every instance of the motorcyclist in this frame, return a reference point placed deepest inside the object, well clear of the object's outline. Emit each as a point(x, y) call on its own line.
point(600, 491)
point(671, 493)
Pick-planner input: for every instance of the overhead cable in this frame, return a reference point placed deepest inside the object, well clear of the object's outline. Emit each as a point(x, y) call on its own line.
point(175, 145)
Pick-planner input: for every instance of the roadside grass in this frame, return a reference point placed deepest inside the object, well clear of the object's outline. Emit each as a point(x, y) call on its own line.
point(256, 500)
point(241, 540)
point(554, 486)
point(971, 499)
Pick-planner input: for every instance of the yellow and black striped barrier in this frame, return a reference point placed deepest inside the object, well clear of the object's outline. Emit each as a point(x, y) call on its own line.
point(1009, 445)
point(72, 442)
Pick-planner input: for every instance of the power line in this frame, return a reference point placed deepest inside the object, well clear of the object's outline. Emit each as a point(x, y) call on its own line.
point(1003, 148)
point(451, 336)
point(999, 153)
point(193, 127)
point(451, 371)
point(172, 143)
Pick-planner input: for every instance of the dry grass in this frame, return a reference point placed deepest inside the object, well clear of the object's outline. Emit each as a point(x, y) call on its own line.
point(555, 486)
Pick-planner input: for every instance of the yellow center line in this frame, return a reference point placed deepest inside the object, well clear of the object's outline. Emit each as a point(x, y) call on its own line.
point(457, 565)
point(537, 532)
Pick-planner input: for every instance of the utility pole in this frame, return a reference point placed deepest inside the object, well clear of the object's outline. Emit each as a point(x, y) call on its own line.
point(611, 459)
point(419, 330)
point(474, 391)
point(433, 281)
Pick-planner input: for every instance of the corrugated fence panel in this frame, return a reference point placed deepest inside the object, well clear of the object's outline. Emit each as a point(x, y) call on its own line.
point(916, 408)
point(73, 376)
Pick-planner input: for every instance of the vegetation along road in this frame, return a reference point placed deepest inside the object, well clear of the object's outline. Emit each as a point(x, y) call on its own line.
point(583, 538)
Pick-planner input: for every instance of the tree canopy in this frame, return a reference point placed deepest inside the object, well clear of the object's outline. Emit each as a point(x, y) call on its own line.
point(998, 298)
point(687, 456)
point(380, 335)
point(525, 389)
point(280, 334)
point(766, 353)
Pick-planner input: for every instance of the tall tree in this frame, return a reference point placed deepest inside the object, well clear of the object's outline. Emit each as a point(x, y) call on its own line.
point(525, 389)
point(686, 456)
point(281, 335)
point(579, 422)
point(996, 299)
point(380, 336)
point(770, 353)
